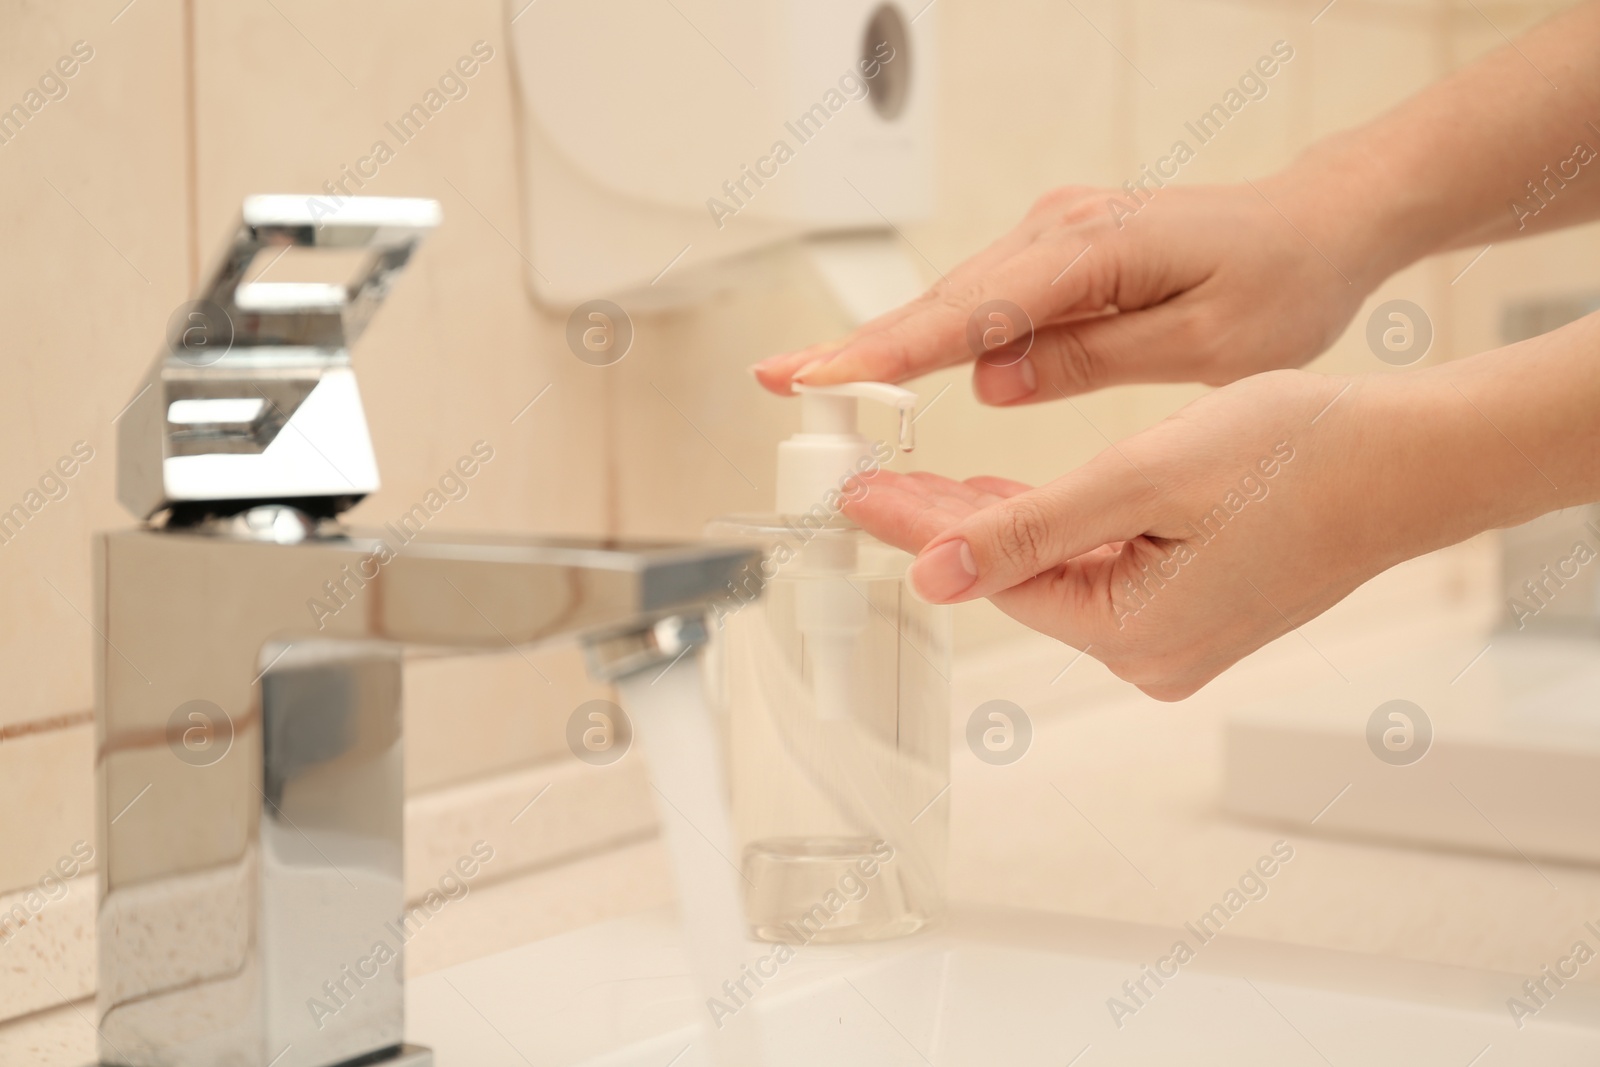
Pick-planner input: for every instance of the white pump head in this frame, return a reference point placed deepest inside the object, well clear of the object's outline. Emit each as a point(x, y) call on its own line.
point(829, 449)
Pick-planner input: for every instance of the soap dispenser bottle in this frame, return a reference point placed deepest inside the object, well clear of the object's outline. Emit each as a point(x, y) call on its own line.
point(835, 690)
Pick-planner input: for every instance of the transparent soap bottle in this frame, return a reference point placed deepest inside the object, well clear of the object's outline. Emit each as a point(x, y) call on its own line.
point(834, 685)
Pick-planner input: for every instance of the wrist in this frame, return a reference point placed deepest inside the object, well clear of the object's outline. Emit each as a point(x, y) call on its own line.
point(1537, 407)
point(1468, 447)
point(1353, 203)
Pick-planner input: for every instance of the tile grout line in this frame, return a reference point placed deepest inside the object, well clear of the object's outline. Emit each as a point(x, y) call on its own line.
point(47, 725)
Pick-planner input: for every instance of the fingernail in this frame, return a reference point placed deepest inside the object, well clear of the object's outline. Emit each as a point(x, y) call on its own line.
point(770, 361)
point(944, 573)
point(1006, 384)
point(800, 375)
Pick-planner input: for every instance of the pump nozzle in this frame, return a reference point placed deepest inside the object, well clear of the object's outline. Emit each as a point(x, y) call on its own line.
point(831, 406)
point(829, 449)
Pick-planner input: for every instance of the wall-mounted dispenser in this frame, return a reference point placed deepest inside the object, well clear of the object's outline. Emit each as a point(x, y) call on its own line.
point(664, 142)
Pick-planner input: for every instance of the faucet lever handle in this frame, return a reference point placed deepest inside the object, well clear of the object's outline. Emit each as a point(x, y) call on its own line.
point(315, 314)
point(202, 436)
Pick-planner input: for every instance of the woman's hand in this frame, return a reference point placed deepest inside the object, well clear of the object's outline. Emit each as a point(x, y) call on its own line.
point(1206, 284)
point(1186, 283)
point(1254, 509)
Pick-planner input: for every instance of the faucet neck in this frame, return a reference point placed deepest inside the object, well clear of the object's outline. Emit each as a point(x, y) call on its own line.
point(271, 523)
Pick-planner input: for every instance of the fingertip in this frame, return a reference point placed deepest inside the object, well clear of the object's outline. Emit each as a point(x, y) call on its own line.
point(771, 381)
point(858, 487)
point(880, 476)
point(873, 484)
point(916, 594)
point(940, 575)
point(999, 384)
point(779, 373)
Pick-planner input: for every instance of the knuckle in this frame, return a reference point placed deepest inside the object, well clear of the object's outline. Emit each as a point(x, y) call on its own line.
point(930, 295)
point(1085, 211)
point(1064, 202)
point(1054, 201)
point(1023, 533)
point(898, 357)
point(958, 301)
point(1197, 329)
point(1079, 368)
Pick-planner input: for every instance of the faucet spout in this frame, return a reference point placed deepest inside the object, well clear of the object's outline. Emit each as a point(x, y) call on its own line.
point(248, 695)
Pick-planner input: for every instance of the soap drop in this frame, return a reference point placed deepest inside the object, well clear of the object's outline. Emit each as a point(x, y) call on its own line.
point(908, 430)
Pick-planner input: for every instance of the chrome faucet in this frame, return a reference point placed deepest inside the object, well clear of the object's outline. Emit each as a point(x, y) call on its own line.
point(248, 761)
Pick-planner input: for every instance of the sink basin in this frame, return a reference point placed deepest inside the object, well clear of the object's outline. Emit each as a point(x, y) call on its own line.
point(992, 987)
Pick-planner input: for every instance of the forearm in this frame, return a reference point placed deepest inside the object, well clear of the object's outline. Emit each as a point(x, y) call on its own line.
point(1485, 442)
point(1463, 162)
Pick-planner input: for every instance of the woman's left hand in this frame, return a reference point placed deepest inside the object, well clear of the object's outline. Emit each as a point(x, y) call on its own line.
point(1174, 554)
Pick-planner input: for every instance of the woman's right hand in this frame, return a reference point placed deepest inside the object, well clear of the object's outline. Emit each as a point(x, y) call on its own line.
point(1202, 284)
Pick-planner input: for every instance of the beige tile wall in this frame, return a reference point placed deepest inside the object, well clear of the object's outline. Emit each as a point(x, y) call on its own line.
point(92, 227)
point(103, 199)
point(92, 208)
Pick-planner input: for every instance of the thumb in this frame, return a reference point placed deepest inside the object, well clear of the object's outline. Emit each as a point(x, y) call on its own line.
point(1164, 343)
point(1011, 541)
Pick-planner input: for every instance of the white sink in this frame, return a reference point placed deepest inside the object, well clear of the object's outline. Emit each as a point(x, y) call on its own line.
point(992, 988)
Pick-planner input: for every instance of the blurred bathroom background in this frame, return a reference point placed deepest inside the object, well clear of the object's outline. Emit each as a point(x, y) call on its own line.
point(114, 196)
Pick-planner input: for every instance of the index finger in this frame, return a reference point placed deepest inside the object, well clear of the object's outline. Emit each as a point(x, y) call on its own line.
point(778, 372)
point(995, 312)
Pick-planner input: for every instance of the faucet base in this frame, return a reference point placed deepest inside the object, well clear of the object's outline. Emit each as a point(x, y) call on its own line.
point(399, 1056)
point(403, 1056)
point(263, 685)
